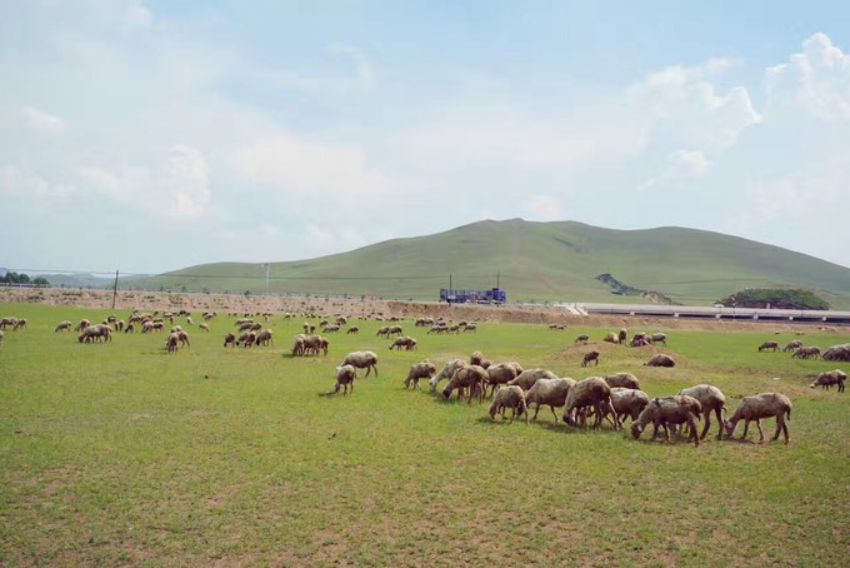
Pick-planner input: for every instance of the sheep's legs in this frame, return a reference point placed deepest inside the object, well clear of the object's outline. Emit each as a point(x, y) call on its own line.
point(718, 414)
point(761, 433)
point(707, 417)
point(693, 428)
point(746, 429)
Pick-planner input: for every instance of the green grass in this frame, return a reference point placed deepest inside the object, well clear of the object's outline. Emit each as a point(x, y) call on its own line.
point(118, 453)
point(538, 261)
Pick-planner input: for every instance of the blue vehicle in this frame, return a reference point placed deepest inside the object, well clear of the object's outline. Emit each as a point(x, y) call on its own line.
point(457, 296)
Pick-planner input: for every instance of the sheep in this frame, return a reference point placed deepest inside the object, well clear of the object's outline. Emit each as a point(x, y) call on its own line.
point(806, 353)
point(9, 321)
point(230, 340)
point(837, 353)
point(509, 397)
point(592, 357)
point(476, 358)
point(660, 360)
point(501, 374)
point(658, 338)
point(671, 410)
point(330, 329)
point(189, 321)
point(446, 374)
point(63, 326)
point(119, 325)
point(298, 346)
point(591, 392)
point(622, 336)
point(394, 330)
point(408, 343)
point(622, 380)
point(362, 360)
point(130, 328)
point(84, 323)
point(171, 342)
point(582, 339)
point(628, 402)
point(610, 338)
point(313, 344)
point(345, 375)
point(264, 338)
point(204, 327)
point(470, 376)
point(96, 333)
point(764, 405)
point(550, 392)
point(639, 340)
point(792, 346)
point(352, 331)
point(768, 346)
point(247, 339)
point(382, 331)
point(829, 378)
point(176, 329)
point(471, 328)
point(711, 399)
point(423, 370)
point(526, 379)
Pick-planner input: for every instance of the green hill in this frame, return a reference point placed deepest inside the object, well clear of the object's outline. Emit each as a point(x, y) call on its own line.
point(557, 261)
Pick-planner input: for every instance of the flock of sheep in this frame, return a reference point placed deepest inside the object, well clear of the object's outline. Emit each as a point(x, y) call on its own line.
point(615, 397)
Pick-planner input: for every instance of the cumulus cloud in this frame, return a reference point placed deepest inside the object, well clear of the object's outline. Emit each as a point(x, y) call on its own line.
point(23, 184)
point(680, 165)
point(42, 121)
point(817, 80)
point(294, 164)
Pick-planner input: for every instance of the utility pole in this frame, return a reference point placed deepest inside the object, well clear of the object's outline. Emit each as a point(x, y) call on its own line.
point(115, 290)
point(450, 282)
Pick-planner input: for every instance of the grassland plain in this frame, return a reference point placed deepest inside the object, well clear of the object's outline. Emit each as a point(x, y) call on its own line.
point(121, 454)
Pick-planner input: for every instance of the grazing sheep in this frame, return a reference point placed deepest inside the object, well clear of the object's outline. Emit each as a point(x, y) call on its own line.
point(63, 326)
point(423, 370)
point(610, 338)
point(711, 399)
point(447, 372)
point(247, 339)
point(363, 360)
point(829, 378)
point(230, 340)
point(769, 346)
point(476, 358)
point(382, 331)
point(189, 321)
point(592, 357)
point(792, 345)
point(806, 353)
point(394, 330)
point(96, 334)
point(130, 328)
point(264, 338)
point(353, 331)
point(658, 338)
point(330, 329)
point(755, 408)
point(526, 379)
point(622, 380)
point(639, 340)
point(298, 346)
point(471, 328)
point(119, 325)
point(582, 339)
point(84, 323)
point(345, 375)
point(838, 353)
point(622, 336)
point(501, 374)
point(204, 327)
point(660, 360)
point(313, 344)
point(671, 410)
point(408, 343)
point(472, 377)
point(509, 397)
point(549, 392)
point(594, 393)
point(628, 403)
point(172, 342)
point(8, 322)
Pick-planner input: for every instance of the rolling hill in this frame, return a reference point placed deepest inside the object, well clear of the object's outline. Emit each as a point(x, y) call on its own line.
point(555, 261)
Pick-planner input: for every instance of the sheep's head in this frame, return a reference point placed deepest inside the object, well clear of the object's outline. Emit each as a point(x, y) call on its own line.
point(637, 430)
point(729, 427)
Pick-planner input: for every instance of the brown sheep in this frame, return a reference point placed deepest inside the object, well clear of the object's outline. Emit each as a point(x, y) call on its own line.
point(594, 393)
point(711, 399)
point(229, 340)
point(755, 408)
point(172, 342)
point(628, 403)
point(363, 360)
point(509, 397)
point(63, 326)
point(476, 358)
point(498, 375)
point(829, 378)
point(610, 338)
point(582, 339)
point(792, 345)
point(408, 343)
point(423, 370)
point(526, 379)
point(806, 353)
point(622, 336)
point(472, 377)
point(671, 410)
point(549, 392)
point(769, 346)
point(623, 380)
point(660, 360)
point(264, 338)
point(345, 376)
point(204, 327)
point(84, 323)
point(658, 338)
point(592, 357)
point(353, 331)
point(838, 353)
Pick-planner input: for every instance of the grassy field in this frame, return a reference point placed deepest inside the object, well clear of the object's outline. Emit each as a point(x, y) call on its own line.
point(556, 261)
point(121, 454)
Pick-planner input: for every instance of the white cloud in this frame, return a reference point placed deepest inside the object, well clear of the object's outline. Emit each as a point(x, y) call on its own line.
point(545, 208)
point(292, 163)
point(816, 80)
point(187, 180)
point(16, 182)
point(42, 121)
point(681, 164)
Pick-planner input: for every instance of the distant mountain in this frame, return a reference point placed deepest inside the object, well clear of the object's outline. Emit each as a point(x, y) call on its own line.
point(556, 261)
point(76, 280)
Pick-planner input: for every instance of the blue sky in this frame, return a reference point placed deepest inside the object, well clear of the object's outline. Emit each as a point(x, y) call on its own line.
point(153, 135)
